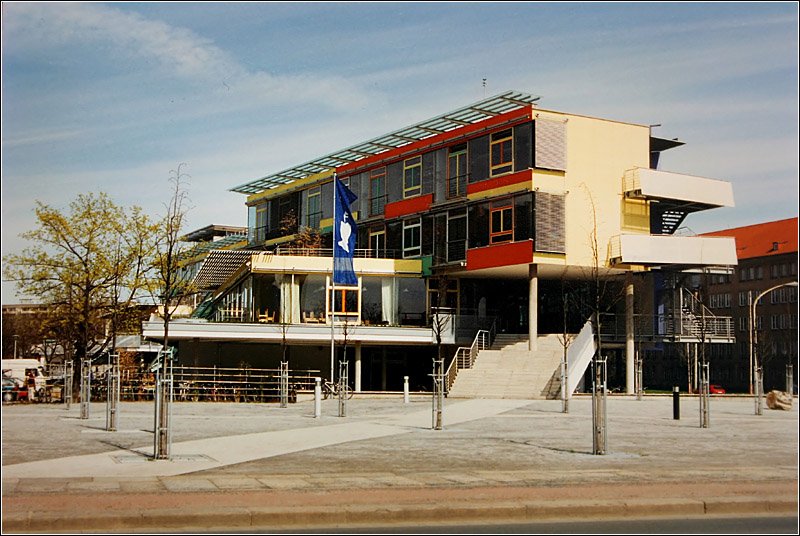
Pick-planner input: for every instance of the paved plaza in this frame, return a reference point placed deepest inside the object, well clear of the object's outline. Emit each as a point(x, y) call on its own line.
point(491, 458)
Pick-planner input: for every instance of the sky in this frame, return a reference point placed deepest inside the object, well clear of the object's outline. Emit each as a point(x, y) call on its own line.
point(111, 97)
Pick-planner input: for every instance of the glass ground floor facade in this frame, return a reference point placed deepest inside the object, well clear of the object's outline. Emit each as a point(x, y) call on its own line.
point(378, 368)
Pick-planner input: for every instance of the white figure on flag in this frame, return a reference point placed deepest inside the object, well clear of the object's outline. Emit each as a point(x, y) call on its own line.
point(344, 235)
point(344, 232)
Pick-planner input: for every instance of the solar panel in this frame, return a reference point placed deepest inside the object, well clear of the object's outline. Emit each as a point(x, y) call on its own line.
point(473, 113)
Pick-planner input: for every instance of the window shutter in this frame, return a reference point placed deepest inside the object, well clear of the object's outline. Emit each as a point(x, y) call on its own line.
point(551, 144)
point(550, 232)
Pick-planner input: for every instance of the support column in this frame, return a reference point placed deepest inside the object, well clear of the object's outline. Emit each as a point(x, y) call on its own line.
point(358, 368)
point(630, 351)
point(533, 306)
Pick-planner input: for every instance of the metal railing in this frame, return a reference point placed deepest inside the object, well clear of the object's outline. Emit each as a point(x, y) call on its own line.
point(216, 384)
point(668, 327)
point(631, 181)
point(376, 205)
point(457, 186)
point(465, 356)
point(382, 253)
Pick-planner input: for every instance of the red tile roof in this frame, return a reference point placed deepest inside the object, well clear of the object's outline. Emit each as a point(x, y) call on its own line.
point(763, 239)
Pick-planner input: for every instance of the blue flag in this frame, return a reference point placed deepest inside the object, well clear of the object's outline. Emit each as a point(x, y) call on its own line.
point(344, 234)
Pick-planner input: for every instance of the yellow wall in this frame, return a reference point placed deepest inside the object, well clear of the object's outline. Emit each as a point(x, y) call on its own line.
point(265, 262)
point(598, 153)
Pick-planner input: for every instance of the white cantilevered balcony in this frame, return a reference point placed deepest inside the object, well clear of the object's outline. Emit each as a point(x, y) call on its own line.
point(673, 196)
point(659, 250)
point(699, 192)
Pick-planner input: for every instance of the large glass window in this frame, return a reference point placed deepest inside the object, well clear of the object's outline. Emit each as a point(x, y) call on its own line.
point(457, 171)
point(377, 191)
point(456, 235)
point(411, 301)
point(261, 224)
point(377, 242)
point(502, 150)
point(501, 220)
point(267, 297)
point(312, 298)
point(412, 177)
point(412, 232)
point(378, 301)
point(314, 211)
point(345, 301)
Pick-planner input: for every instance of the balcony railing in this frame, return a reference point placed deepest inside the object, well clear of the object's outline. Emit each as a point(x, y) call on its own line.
point(668, 327)
point(376, 205)
point(457, 186)
point(328, 252)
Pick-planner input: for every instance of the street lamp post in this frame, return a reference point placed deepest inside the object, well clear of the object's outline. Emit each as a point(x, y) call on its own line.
point(752, 306)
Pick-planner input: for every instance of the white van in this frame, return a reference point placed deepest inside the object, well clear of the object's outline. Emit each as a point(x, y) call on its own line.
point(19, 368)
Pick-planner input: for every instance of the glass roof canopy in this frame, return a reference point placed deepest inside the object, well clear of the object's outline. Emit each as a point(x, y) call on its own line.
point(474, 113)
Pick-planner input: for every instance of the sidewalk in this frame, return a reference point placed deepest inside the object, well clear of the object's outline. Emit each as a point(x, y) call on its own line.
point(252, 465)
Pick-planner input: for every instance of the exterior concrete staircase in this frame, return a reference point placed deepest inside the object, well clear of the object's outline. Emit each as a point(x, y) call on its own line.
point(509, 370)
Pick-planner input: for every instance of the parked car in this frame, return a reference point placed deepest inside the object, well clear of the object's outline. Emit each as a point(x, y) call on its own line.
point(716, 389)
point(14, 389)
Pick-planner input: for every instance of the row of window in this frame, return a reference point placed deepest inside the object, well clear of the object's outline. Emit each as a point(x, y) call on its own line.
point(448, 234)
point(717, 301)
point(452, 230)
point(753, 273)
point(783, 270)
point(783, 321)
point(501, 150)
point(777, 321)
point(742, 348)
point(306, 298)
point(444, 173)
point(780, 295)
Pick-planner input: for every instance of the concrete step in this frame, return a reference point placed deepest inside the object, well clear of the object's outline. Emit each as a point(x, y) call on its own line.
point(510, 370)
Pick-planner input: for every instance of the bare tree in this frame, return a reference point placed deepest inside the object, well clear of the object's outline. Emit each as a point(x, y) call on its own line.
point(603, 295)
point(171, 286)
point(440, 319)
point(565, 339)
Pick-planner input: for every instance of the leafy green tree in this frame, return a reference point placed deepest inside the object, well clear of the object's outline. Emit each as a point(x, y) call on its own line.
point(78, 263)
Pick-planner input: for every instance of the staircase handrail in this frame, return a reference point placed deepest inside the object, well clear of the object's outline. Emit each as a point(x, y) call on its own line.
point(465, 355)
point(696, 319)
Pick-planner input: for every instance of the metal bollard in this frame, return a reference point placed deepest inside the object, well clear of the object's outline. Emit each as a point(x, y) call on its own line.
point(317, 398)
point(405, 389)
point(676, 403)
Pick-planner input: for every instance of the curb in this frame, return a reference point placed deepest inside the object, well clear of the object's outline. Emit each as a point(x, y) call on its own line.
point(386, 514)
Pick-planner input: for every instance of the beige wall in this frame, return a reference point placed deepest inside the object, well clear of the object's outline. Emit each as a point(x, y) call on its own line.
point(598, 153)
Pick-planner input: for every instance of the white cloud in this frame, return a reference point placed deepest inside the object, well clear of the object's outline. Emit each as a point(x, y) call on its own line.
point(177, 51)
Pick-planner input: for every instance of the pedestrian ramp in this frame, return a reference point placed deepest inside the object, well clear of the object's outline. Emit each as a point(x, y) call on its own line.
point(212, 453)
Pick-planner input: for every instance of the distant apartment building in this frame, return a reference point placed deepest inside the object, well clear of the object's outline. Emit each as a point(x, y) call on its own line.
point(767, 255)
point(500, 217)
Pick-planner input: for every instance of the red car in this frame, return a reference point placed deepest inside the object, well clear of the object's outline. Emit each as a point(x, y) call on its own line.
point(716, 389)
point(14, 389)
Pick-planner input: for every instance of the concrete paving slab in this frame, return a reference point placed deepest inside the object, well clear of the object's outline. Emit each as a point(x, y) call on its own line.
point(491, 457)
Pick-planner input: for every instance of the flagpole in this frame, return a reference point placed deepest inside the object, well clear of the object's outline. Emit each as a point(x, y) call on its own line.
point(333, 269)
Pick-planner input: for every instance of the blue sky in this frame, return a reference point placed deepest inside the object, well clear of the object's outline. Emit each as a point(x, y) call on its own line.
point(112, 96)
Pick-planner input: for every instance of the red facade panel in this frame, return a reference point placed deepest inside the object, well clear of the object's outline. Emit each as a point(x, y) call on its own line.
point(526, 175)
point(413, 205)
point(517, 116)
point(500, 255)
